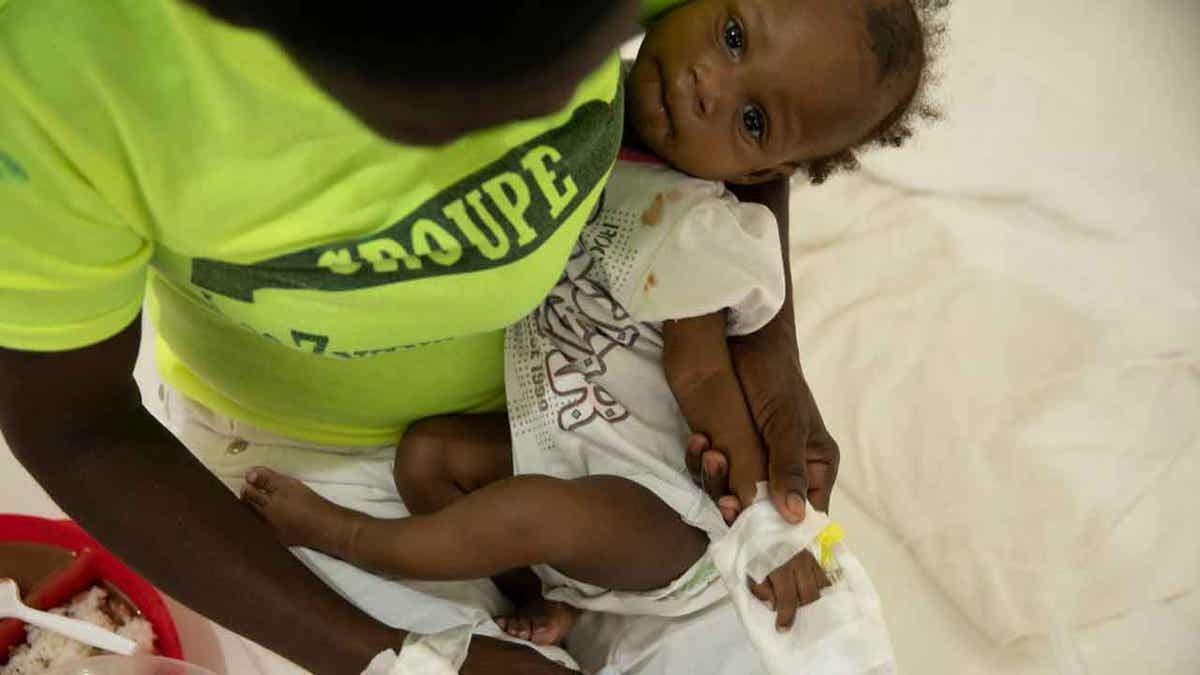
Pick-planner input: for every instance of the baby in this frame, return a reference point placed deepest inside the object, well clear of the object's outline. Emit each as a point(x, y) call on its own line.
point(584, 480)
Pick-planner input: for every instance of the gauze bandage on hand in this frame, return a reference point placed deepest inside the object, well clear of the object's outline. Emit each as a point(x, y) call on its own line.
point(841, 633)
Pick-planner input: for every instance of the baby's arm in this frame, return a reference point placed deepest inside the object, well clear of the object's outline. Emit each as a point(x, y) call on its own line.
point(701, 375)
point(700, 371)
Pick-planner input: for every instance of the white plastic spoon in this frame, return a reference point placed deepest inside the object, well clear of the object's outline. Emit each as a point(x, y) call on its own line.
point(11, 606)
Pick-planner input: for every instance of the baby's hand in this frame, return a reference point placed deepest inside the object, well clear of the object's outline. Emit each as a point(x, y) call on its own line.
point(710, 468)
point(794, 584)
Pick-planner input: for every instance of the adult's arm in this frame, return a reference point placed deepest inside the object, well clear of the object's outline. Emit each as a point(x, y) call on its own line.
point(75, 420)
point(802, 456)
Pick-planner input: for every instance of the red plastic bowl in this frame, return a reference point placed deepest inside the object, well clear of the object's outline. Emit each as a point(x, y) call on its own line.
point(100, 565)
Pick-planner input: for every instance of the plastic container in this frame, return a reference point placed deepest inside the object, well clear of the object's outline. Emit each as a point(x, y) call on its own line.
point(93, 564)
point(130, 665)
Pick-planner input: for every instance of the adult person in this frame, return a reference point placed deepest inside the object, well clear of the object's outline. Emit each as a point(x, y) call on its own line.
point(333, 209)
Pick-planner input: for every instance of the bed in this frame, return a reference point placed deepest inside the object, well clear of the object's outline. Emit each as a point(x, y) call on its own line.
point(1002, 325)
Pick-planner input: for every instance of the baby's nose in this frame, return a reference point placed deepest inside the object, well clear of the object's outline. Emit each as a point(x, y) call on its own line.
point(707, 88)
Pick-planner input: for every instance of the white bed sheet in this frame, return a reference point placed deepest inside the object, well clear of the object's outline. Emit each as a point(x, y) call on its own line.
point(1036, 453)
point(1002, 324)
point(932, 636)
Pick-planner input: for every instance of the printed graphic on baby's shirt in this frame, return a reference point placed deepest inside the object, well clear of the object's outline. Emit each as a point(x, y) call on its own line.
point(585, 324)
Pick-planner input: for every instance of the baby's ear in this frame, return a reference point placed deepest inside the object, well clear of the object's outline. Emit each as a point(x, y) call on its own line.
point(767, 175)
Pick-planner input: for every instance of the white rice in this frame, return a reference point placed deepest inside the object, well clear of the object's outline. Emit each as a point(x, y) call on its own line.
point(44, 650)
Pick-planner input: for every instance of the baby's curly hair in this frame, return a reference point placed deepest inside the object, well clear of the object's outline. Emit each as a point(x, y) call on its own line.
point(899, 44)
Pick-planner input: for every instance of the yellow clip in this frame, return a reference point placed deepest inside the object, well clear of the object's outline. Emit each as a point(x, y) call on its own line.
point(832, 534)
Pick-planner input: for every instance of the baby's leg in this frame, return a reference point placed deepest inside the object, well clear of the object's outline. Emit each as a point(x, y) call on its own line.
point(443, 458)
point(437, 461)
point(440, 460)
point(603, 530)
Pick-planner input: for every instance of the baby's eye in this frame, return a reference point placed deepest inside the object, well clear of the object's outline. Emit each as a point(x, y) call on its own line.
point(755, 121)
point(735, 39)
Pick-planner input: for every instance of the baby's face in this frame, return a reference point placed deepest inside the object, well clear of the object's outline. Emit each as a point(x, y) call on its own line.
point(741, 90)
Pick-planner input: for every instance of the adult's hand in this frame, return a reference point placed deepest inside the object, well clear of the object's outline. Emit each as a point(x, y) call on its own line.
point(802, 456)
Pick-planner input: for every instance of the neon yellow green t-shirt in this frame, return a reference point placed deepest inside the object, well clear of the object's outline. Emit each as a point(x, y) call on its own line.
point(304, 275)
point(653, 8)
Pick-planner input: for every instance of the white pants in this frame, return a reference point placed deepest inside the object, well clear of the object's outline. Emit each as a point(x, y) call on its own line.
point(357, 478)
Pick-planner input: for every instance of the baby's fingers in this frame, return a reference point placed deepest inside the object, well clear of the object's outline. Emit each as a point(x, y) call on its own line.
point(696, 446)
point(714, 470)
point(809, 576)
point(730, 507)
point(783, 583)
point(763, 592)
point(808, 581)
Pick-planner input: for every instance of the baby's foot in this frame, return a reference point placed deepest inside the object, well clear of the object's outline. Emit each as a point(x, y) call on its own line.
point(299, 516)
point(541, 621)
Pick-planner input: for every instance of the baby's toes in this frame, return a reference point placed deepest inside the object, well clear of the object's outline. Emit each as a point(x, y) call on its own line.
point(544, 631)
point(264, 479)
point(255, 497)
point(520, 628)
point(510, 625)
